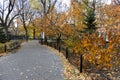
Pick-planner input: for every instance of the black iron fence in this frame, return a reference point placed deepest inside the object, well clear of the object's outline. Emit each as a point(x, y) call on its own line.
point(75, 59)
point(17, 37)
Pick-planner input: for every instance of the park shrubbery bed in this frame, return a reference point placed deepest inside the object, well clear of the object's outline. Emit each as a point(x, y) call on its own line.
point(9, 46)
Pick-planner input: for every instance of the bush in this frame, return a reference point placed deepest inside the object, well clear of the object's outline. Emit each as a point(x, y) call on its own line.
point(2, 48)
point(9, 46)
point(95, 49)
point(3, 38)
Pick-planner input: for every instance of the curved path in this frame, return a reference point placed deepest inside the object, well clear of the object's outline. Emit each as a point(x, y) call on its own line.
point(31, 62)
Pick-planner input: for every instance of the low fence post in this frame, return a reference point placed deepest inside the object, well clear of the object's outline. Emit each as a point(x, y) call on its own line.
point(59, 48)
point(81, 60)
point(67, 53)
point(41, 41)
point(47, 43)
point(50, 44)
point(107, 44)
point(5, 48)
point(55, 46)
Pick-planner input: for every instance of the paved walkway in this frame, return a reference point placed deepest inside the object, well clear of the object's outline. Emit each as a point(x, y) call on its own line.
point(31, 62)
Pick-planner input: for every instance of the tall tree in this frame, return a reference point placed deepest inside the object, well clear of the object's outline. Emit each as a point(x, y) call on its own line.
point(26, 15)
point(76, 16)
point(8, 14)
point(89, 16)
point(45, 6)
point(2, 35)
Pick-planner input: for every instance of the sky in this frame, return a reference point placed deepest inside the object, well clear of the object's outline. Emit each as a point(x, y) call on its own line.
point(107, 1)
point(68, 1)
point(63, 5)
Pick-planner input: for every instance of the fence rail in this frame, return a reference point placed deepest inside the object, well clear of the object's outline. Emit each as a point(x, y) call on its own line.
point(75, 59)
point(9, 46)
point(66, 52)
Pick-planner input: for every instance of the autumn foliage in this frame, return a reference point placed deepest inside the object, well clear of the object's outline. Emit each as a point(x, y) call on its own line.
point(74, 26)
point(96, 50)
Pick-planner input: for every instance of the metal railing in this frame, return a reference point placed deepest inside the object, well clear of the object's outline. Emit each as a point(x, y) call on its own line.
point(70, 56)
point(74, 59)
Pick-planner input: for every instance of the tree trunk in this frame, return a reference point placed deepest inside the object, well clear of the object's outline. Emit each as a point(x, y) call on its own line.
point(58, 40)
point(26, 32)
point(7, 33)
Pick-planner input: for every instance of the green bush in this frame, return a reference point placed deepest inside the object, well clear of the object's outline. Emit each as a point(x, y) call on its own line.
point(2, 48)
point(3, 38)
point(9, 45)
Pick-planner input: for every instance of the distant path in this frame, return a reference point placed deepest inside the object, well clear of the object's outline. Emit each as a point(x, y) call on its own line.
point(31, 62)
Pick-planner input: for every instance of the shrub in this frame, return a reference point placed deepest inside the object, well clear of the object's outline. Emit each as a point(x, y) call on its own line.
point(95, 50)
point(3, 38)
